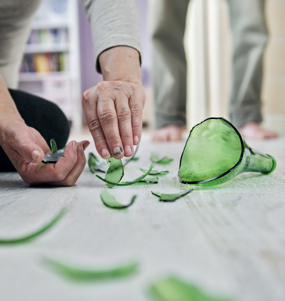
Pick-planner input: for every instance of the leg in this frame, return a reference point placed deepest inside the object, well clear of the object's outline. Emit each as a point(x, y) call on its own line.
point(168, 19)
point(44, 116)
point(249, 40)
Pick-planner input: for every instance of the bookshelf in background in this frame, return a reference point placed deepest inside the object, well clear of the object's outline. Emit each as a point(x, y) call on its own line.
point(51, 63)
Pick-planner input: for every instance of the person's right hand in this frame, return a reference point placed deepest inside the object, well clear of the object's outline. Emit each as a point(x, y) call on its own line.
point(25, 147)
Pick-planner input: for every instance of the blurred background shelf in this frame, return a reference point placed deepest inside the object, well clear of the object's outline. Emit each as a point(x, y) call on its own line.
point(48, 48)
point(51, 63)
point(39, 76)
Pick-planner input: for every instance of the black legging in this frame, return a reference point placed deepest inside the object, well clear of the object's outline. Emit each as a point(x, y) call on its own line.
point(45, 116)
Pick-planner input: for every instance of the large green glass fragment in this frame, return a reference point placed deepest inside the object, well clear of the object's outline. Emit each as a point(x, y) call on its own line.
point(114, 173)
point(174, 289)
point(35, 234)
point(109, 201)
point(215, 152)
point(85, 274)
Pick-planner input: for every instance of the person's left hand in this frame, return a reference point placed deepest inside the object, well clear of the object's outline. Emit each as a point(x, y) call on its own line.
point(113, 110)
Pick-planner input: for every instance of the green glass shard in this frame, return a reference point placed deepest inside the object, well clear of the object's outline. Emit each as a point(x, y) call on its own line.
point(156, 172)
point(86, 274)
point(163, 161)
point(114, 173)
point(175, 289)
point(170, 197)
point(95, 164)
point(109, 201)
point(150, 180)
point(215, 152)
point(33, 235)
point(55, 153)
point(137, 180)
point(53, 146)
point(133, 157)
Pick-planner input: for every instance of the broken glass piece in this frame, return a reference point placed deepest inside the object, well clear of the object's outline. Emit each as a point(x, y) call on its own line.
point(53, 158)
point(215, 152)
point(55, 153)
point(175, 289)
point(170, 197)
point(110, 201)
point(95, 164)
point(163, 161)
point(87, 274)
point(128, 182)
point(53, 146)
point(133, 157)
point(33, 235)
point(114, 173)
point(150, 180)
point(156, 173)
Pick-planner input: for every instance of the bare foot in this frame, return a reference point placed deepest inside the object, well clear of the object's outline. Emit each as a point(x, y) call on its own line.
point(168, 133)
point(254, 130)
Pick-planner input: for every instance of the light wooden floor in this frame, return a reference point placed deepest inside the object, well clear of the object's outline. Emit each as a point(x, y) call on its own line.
point(229, 240)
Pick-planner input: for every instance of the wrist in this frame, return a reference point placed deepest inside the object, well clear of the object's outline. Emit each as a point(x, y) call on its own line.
point(7, 124)
point(121, 63)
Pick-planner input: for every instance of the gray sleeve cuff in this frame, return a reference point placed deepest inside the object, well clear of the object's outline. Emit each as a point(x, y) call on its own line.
point(113, 23)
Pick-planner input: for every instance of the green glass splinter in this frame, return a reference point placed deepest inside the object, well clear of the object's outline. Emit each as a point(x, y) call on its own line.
point(87, 274)
point(53, 146)
point(170, 197)
point(109, 201)
point(215, 152)
point(163, 161)
point(95, 164)
point(33, 235)
point(173, 288)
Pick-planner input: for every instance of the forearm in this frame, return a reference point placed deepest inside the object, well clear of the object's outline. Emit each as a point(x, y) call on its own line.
point(8, 109)
point(121, 63)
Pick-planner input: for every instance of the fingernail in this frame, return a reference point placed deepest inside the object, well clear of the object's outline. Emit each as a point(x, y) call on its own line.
point(117, 151)
point(35, 155)
point(80, 146)
point(136, 140)
point(128, 150)
point(74, 145)
point(105, 154)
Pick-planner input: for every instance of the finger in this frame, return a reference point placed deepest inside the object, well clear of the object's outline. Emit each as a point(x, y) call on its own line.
point(137, 100)
point(28, 150)
point(90, 110)
point(76, 171)
point(109, 123)
point(41, 141)
point(85, 144)
point(125, 123)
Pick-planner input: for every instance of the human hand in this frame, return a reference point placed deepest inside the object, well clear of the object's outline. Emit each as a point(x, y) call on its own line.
point(25, 148)
point(113, 110)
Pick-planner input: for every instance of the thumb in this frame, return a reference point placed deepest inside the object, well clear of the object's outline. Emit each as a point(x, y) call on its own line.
point(31, 152)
